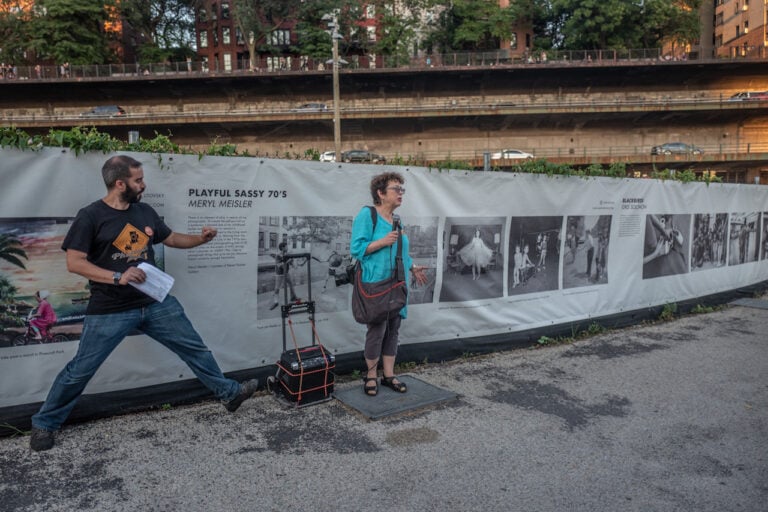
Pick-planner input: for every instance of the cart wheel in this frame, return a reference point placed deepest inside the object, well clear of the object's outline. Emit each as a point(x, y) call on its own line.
point(271, 383)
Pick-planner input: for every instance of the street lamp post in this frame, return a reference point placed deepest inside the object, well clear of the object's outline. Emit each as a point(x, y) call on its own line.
point(333, 24)
point(336, 107)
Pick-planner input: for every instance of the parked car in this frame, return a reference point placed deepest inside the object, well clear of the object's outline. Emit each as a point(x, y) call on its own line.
point(361, 155)
point(311, 107)
point(750, 96)
point(511, 154)
point(104, 111)
point(676, 148)
point(328, 156)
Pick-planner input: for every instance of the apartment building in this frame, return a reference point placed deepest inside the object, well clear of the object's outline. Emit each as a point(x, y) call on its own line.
point(740, 28)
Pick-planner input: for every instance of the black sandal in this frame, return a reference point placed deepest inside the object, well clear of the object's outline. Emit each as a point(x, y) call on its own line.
point(395, 386)
point(370, 390)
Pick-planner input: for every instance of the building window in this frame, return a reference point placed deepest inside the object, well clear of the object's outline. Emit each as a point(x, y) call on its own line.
point(280, 37)
point(226, 38)
point(202, 15)
point(203, 39)
point(214, 11)
point(273, 240)
point(204, 64)
point(227, 62)
point(225, 10)
point(261, 240)
point(215, 34)
point(239, 36)
point(513, 41)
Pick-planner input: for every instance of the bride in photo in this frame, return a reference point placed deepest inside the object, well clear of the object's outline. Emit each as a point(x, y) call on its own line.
point(476, 254)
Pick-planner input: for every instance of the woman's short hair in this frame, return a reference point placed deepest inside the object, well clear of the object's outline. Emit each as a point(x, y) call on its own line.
point(380, 181)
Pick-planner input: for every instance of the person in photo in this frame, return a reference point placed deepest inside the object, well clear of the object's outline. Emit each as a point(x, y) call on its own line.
point(476, 255)
point(106, 242)
point(44, 317)
point(282, 275)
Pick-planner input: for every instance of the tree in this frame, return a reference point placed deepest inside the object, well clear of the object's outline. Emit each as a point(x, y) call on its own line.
point(473, 25)
point(14, 40)
point(398, 25)
point(257, 19)
point(599, 24)
point(315, 33)
point(11, 251)
point(71, 31)
point(166, 27)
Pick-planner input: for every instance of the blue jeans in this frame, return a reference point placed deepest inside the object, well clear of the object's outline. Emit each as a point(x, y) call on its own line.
point(165, 322)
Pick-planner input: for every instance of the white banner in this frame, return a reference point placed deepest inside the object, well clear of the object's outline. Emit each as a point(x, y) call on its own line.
point(549, 250)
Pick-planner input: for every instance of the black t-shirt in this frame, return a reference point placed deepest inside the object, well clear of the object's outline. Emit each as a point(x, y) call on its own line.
point(115, 240)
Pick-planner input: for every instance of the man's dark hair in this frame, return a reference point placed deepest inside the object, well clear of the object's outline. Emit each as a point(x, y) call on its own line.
point(380, 181)
point(118, 168)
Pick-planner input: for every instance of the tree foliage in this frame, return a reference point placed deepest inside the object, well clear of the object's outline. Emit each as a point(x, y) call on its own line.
point(165, 27)
point(13, 32)
point(70, 31)
point(597, 24)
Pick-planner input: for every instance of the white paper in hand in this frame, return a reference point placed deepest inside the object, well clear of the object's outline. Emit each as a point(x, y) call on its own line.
point(158, 283)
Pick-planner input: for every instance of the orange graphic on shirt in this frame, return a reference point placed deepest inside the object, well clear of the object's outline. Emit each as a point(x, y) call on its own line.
point(132, 242)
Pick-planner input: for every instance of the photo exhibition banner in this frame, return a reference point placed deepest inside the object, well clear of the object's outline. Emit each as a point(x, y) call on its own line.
point(505, 252)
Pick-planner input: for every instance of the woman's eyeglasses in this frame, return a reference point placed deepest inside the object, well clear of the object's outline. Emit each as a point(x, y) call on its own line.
point(398, 190)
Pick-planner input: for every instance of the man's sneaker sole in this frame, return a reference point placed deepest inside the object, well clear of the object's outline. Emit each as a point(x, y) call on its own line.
point(247, 389)
point(41, 440)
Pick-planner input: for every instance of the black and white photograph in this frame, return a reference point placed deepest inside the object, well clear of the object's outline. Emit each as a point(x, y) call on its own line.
point(587, 243)
point(302, 254)
point(710, 234)
point(422, 245)
point(764, 250)
point(534, 254)
point(744, 238)
point(666, 245)
point(473, 260)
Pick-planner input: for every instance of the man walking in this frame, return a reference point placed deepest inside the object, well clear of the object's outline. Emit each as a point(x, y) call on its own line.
point(106, 242)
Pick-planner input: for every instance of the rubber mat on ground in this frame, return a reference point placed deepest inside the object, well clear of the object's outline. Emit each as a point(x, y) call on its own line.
point(389, 402)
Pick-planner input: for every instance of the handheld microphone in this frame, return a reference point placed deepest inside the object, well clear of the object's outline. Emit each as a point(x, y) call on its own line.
point(396, 222)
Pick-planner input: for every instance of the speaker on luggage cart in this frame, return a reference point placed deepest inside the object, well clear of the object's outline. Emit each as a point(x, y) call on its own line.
point(305, 375)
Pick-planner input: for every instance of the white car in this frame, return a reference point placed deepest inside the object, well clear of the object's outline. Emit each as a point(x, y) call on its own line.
point(511, 154)
point(328, 156)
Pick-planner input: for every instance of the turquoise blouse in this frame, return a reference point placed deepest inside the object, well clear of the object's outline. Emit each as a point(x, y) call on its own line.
point(377, 265)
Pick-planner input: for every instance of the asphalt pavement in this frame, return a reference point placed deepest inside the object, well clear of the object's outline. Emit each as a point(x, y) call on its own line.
point(670, 416)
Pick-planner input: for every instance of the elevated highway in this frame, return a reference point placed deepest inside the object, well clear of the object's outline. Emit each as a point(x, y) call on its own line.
point(577, 113)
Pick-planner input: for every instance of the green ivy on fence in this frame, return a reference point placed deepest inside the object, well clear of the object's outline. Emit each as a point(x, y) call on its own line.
point(82, 140)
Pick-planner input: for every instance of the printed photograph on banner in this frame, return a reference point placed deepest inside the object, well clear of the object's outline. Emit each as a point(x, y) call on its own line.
point(422, 246)
point(744, 238)
point(710, 234)
point(585, 261)
point(473, 258)
point(666, 245)
point(299, 256)
point(36, 290)
point(764, 250)
point(40, 300)
point(534, 254)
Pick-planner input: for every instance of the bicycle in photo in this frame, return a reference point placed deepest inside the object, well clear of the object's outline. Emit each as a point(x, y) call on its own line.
point(28, 338)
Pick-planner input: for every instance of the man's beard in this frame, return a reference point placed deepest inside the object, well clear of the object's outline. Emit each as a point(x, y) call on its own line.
point(130, 196)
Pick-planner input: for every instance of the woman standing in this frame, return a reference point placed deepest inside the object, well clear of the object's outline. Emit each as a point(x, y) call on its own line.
point(375, 246)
